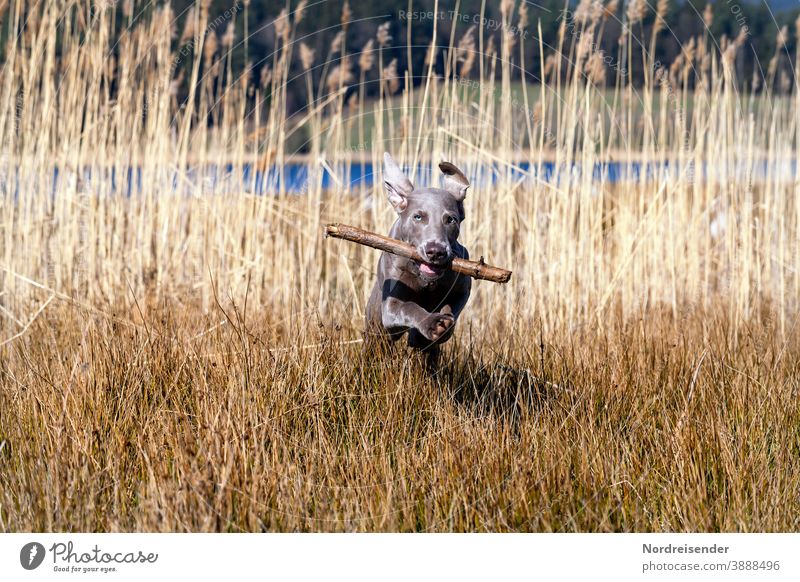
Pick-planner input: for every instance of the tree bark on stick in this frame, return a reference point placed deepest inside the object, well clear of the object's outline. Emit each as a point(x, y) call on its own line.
point(475, 269)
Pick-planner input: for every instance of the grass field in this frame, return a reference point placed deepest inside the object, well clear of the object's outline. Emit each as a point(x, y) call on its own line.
point(188, 357)
point(653, 425)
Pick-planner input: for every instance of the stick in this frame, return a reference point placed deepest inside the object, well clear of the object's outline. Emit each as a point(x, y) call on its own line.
point(475, 269)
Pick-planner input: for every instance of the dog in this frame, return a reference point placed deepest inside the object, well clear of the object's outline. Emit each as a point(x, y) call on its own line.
point(423, 299)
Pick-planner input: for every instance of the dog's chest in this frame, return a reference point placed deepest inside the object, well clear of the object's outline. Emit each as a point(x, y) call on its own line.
point(432, 294)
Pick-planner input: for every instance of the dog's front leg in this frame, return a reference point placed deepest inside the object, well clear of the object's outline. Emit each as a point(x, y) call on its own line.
point(401, 316)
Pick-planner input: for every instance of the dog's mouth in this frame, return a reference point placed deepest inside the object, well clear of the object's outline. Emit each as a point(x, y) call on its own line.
point(430, 270)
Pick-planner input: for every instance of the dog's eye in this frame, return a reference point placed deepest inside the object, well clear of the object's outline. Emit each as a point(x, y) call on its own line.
point(418, 217)
point(450, 220)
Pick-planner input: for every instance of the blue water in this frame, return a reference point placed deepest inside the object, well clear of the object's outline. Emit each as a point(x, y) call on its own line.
point(296, 178)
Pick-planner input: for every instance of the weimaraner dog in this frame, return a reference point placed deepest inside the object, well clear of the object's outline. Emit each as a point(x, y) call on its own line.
point(423, 299)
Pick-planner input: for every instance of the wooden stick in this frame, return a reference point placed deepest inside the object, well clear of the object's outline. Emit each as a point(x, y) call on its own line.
point(476, 269)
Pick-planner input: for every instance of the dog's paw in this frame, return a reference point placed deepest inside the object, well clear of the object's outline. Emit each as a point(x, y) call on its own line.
point(438, 325)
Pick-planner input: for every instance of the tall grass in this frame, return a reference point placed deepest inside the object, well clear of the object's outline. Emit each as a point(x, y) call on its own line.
point(720, 220)
point(159, 325)
point(182, 424)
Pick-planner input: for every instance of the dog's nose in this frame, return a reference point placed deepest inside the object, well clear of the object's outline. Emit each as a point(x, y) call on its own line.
point(436, 252)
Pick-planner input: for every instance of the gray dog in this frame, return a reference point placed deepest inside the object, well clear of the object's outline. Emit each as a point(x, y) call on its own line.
point(421, 298)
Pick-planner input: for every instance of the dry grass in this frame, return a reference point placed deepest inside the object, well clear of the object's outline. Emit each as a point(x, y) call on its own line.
point(654, 425)
point(639, 372)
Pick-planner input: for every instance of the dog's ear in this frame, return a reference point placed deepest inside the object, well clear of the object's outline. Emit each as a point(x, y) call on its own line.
point(398, 186)
point(455, 181)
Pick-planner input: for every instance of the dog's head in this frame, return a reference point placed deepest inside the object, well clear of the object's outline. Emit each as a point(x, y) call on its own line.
point(429, 218)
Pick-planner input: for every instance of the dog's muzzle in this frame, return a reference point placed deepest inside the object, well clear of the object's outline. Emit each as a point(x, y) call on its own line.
point(436, 258)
